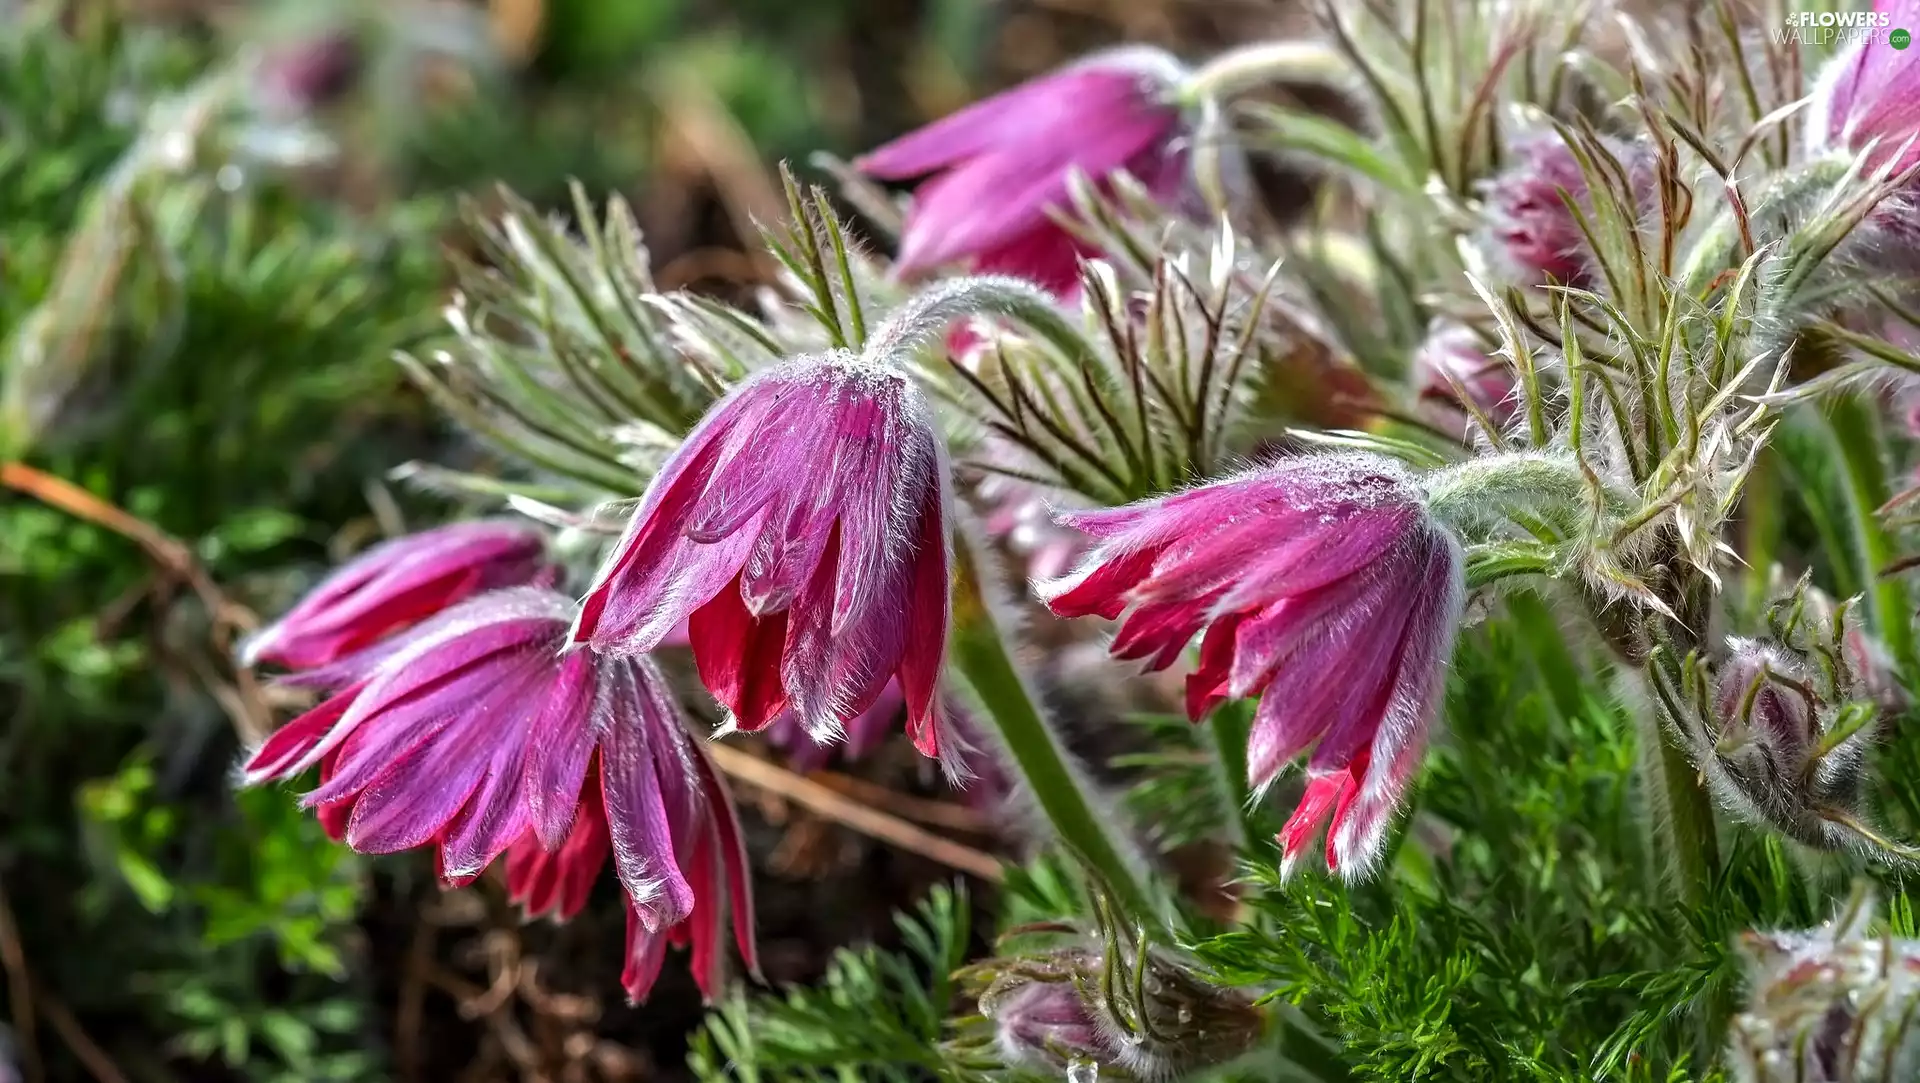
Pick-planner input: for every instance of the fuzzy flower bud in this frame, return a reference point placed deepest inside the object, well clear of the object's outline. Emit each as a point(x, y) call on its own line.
point(1532, 223)
point(1786, 749)
point(1078, 1008)
point(1829, 1005)
point(992, 176)
point(1324, 588)
point(1452, 370)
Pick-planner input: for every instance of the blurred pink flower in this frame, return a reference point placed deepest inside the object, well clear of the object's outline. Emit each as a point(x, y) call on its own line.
point(1535, 228)
point(1326, 590)
point(801, 531)
point(1452, 360)
point(992, 175)
point(395, 585)
point(474, 733)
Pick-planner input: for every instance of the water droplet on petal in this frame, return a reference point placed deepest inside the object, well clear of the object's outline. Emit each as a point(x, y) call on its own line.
point(1081, 1070)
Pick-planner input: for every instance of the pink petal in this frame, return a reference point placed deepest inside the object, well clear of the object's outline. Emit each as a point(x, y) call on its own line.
point(738, 657)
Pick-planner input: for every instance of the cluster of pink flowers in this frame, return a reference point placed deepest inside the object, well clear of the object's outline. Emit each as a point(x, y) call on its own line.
point(798, 540)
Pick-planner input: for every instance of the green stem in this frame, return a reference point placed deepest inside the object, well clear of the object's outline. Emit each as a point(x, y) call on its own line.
point(1856, 434)
point(1690, 828)
point(979, 652)
point(1230, 726)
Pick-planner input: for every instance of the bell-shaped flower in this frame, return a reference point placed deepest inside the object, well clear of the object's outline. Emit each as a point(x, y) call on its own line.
point(477, 733)
point(395, 585)
point(992, 176)
point(801, 531)
point(1324, 588)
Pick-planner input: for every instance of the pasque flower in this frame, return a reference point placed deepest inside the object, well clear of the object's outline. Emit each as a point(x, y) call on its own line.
point(1324, 588)
point(476, 733)
point(1870, 94)
point(801, 531)
point(1528, 204)
point(993, 175)
point(395, 585)
point(1452, 370)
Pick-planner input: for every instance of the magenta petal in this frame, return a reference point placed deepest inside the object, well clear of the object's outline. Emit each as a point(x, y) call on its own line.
point(637, 818)
point(738, 656)
point(573, 719)
point(285, 751)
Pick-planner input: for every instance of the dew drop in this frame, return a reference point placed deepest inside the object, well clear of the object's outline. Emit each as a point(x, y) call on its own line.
point(1081, 1070)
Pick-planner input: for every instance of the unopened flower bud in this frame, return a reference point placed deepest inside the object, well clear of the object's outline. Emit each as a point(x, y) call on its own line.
point(1081, 1010)
point(1829, 1004)
point(1765, 712)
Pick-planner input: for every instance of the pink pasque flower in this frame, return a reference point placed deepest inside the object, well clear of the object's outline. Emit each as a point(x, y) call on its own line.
point(475, 733)
point(993, 175)
point(1536, 230)
point(1324, 588)
point(1453, 360)
point(395, 585)
point(1871, 92)
point(801, 531)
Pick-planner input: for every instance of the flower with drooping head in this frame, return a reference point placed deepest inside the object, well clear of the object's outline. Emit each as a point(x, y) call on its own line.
point(1045, 1026)
point(395, 585)
point(801, 531)
point(1452, 370)
point(477, 733)
point(993, 175)
point(1534, 227)
point(1326, 589)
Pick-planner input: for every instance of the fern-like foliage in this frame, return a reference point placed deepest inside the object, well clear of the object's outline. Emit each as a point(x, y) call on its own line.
point(876, 1015)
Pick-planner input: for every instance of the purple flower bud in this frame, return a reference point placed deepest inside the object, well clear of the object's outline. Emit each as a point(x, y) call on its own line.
point(801, 531)
point(1046, 1026)
point(477, 735)
point(1324, 588)
point(1452, 360)
point(992, 175)
point(1079, 1006)
point(1535, 228)
point(1754, 702)
point(395, 585)
point(298, 76)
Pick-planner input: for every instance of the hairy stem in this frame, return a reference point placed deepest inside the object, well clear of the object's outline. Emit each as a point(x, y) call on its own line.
point(1251, 66)
point(1684, 824)
point(1856, 434)
point(979, 652)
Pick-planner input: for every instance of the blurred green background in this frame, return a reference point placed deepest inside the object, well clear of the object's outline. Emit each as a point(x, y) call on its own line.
point(218, 221)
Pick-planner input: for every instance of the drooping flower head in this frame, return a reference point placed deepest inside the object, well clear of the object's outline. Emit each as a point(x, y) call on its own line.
point(1535, 229)
point(1870, 94)
point(475, 733)
point(395, 585)
point(1325, 589)
point(993, 174)
point(1452, 369)
point(801, 531)
point(297, 76)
